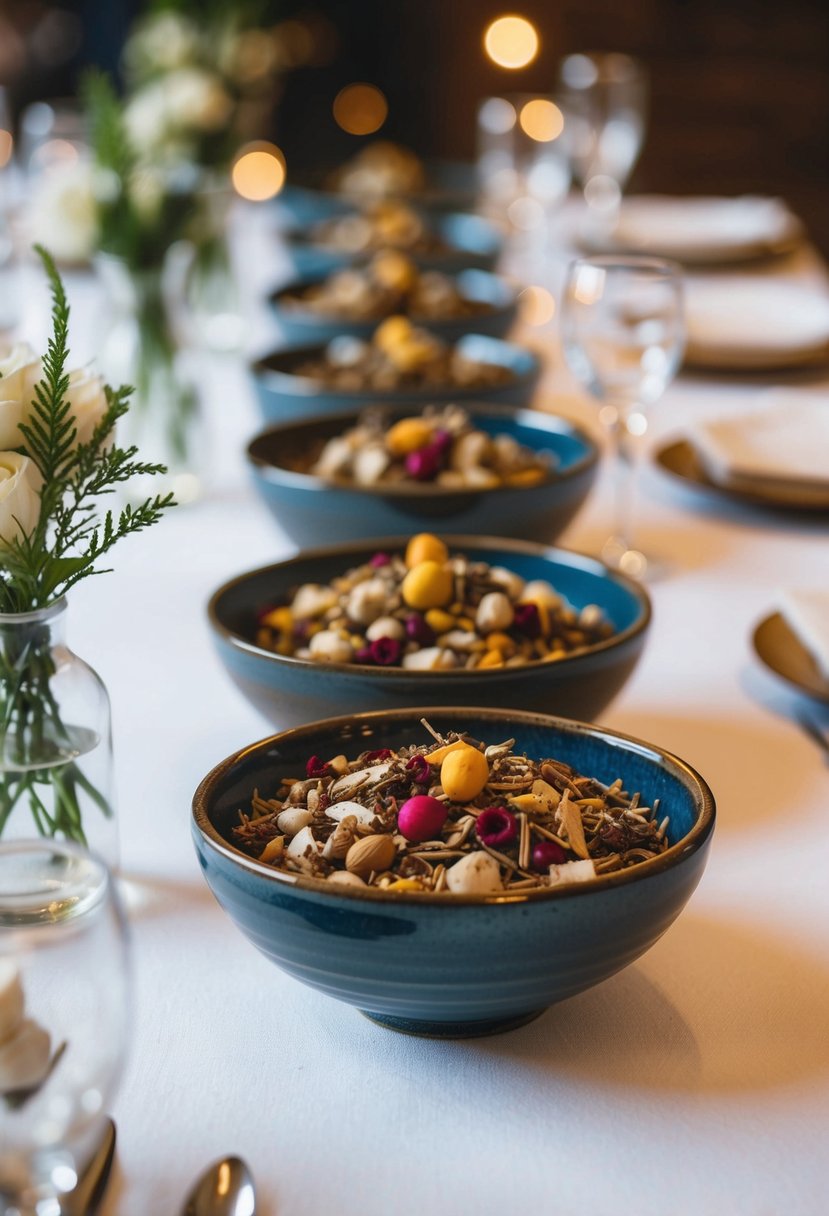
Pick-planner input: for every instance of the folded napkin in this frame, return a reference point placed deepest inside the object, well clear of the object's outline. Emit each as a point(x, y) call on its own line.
point(702, 227)
point(760, 317)
point(807, 615)
point(785, 439)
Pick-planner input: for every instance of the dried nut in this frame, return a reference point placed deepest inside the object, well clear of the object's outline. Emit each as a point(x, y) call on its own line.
point(303, 843)
point(512, 583)
point(273, 850)
point(335, 458)
point(540, 592)
point(313, 600)
point(370, 463)
point(470, 451)
point(408, 435)
point(392, 332)
point(292, 821)
point(430, 658)
point(340, 840)
point(361, 814)
point(371, 854)
point(494, 612)
point(572, 871)
point(464, 774)
point(591, 615)
point(339, 764)
point(11, 999)
point(24, 1057)
point(386, 627)
point(428, 585)
point(345, 878)
point(328, 646)
point(394, 270)
point(460, 640)
point(475, 874)
point(481, 479)
point(568, 816)
point(349, 783)
point(425, 547)
point(440, 753)
point(451, 479)
point(367, 601)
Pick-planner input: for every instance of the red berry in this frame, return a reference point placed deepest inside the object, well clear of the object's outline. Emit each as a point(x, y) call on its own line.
point(421, 817)
point(496, 826)
point(547, 853)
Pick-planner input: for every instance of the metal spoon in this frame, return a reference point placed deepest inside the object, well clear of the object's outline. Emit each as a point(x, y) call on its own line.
point(86, 1197)
point(224, 1189)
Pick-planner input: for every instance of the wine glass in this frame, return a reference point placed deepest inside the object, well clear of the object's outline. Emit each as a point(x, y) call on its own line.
point(604, 99)
point(64, 1004)
point(623, 333)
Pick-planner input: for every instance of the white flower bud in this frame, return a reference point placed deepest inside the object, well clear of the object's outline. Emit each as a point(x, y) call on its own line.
point(328, 647)
point(495, 612)
point(386, 627)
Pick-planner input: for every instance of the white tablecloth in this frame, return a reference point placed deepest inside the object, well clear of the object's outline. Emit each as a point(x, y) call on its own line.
point(695, 1082)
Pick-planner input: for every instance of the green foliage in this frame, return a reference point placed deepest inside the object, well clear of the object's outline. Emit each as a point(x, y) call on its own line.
point(69, 539)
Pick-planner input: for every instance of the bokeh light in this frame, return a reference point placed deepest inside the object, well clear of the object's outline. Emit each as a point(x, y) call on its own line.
point(360, 109)
point(541, 119)
point(258, 172)
point(6, 147)
point(497, 116)
point(537, 305)
point(511, 41)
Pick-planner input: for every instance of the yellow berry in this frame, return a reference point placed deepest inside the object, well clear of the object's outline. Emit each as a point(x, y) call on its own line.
point(464, 774)
point(440, 621)
point(392, 332)
point(408, 435)
point(427, 585)
point(424, 547)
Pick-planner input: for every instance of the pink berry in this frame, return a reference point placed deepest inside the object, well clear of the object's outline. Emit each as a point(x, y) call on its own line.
point(496, 826)
point(547, 853)
point(421, 817)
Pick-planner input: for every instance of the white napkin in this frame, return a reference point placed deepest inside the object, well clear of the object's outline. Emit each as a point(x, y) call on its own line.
point(704, 227)
point(807, 615)
point(786, 438)
point(762, 318)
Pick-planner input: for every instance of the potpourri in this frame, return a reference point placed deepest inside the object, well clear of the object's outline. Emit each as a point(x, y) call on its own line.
point(454, 816)
point(379, 169)
point(400, 356)
point(386, 224)
point(428, 610)
point(389, 283)
point(441, 446)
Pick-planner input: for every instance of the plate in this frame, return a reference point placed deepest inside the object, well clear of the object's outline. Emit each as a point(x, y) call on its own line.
point(681, 461)
point(778, 647)
point(755, 325)
point(704, 231)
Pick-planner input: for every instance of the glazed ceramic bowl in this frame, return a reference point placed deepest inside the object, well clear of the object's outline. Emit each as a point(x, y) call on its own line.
point(451, 186)
point(283, 394)
point(470, 242)
point(292, 691)
point(313, 511)
point(443, 965)
point(299, 323)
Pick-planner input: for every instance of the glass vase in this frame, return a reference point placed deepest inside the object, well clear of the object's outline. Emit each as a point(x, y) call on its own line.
point(142, 348)
point(55, 737)
point(207, 292)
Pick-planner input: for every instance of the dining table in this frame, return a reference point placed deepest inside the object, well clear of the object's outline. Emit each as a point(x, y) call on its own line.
point(693, 1082)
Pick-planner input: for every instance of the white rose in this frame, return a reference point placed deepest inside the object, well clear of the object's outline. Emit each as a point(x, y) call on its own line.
point(20, 370)
point(87, 401)
point(19, 496)
point(162, 42)
point(197, 99)
point(63, 214)
point(146, 118)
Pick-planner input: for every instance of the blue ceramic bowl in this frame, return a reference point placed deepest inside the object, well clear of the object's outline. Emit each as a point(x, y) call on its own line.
point(299, 324)
point(292, 691)
point(284, 395)
point(452, 186)
point(314, 511)
point(470, 242)
point(442, 965)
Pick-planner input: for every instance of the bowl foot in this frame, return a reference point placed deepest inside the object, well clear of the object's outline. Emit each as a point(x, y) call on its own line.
point(452, 1030)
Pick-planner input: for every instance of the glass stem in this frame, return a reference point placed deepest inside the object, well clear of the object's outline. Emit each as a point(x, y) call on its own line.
point(624, 459)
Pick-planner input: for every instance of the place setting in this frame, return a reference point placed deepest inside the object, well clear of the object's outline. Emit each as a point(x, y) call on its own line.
point(367, 355)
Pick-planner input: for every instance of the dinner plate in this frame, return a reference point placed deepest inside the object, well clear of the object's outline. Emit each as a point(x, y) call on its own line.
point(755, 325)
point(701, 231)
point(780, 650)
point(681, 461)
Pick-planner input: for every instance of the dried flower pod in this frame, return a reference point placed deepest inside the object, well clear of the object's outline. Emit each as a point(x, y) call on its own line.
point(372, 853)
point(341, 839)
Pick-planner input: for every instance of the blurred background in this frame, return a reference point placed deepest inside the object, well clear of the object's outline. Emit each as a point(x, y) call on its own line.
point(739, 89)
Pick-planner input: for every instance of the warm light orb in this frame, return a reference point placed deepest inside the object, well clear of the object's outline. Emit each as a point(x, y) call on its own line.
point(538, 307)
point(542, 120)
point(360, 109)
point(511, 41)
point(258, 172)
point(6, 147)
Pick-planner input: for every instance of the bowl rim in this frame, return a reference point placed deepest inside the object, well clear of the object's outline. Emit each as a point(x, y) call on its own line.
point(570, 557)
point(551, 424)
point(506, 289)
point(675, 854)
point(257, 367)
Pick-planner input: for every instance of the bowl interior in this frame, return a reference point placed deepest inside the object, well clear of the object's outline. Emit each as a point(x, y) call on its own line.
point(581, 580)
point(287, 451)
point(478, 285)
point(592, 751)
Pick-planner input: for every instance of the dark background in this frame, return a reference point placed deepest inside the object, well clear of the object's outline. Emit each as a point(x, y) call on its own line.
point(739, 88)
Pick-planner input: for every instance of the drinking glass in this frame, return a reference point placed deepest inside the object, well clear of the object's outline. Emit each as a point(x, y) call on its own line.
point(623, 334)
point(64, 1002)
point(604, 99)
